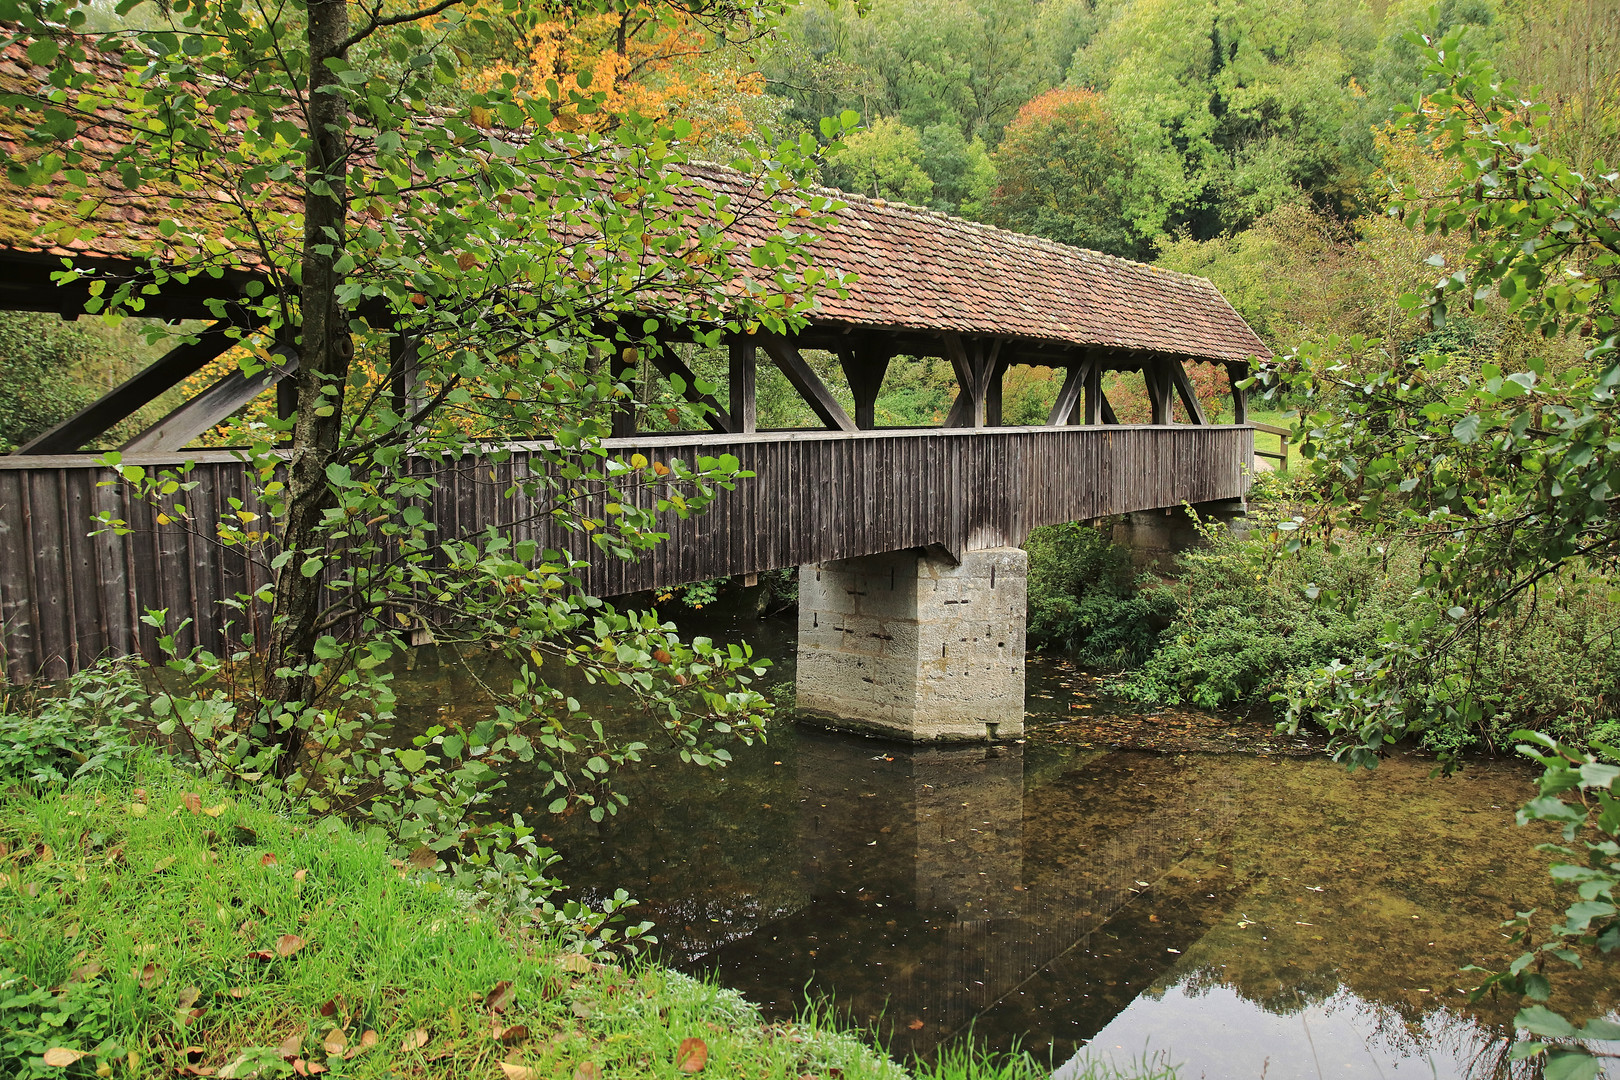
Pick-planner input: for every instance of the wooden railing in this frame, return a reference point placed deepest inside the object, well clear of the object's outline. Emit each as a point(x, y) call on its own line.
point(1282, 441)
point(68, 597)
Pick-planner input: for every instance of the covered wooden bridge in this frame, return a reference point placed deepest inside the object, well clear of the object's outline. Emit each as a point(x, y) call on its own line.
point(927, 285)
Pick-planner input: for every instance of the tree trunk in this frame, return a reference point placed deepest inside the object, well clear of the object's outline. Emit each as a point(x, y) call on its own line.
point(324, 355)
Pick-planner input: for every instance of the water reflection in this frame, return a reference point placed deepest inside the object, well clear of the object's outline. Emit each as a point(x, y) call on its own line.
point(1252, 915)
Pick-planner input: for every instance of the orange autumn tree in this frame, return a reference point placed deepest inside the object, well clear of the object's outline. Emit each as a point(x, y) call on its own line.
point(648, 58)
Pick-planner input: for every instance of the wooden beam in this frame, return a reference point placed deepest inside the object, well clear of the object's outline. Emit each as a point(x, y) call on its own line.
point(404, 374)
point(1076, 379)
point(136, 392)
point(1094, 398)
point(992, 390)
point(213, 405)
point(673, 366)
point(1184, 387)
point(624, 410)
point(1236, 373)
point(740, 384)
point(808, 384)
point(864, 368)
point(975, 367)
point(1107, 410)
point(1160, 396)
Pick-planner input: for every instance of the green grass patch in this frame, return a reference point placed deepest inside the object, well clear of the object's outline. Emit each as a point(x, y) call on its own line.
point(159, 925)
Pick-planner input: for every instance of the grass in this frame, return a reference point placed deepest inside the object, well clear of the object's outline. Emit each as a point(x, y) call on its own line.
point(160, 926)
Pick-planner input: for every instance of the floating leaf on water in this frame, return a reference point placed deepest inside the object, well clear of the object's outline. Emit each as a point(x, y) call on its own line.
point(692, 1056)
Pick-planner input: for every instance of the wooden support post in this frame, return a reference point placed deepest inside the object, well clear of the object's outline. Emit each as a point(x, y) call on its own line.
point(404, 372)
point(992, 393)
point(808, 384)
point(212, 406)
point(136, 391)
point(1160, 396)
point(1236, 373)
point(624, 409)
point(1075, 380)
point(744, 367)
point(676, 370)
point(864, 368)
point(1094, 394)
point(1184, 387)
point(974, 366)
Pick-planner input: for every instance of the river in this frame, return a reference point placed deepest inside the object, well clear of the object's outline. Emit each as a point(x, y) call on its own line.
point(1231, 901)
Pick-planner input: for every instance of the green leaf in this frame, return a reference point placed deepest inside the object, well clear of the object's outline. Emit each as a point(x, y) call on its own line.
point(1570, 1065)
point(1540, 1020)
point(412, 759)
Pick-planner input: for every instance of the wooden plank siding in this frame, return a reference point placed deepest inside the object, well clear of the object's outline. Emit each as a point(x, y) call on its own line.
point(68, 598)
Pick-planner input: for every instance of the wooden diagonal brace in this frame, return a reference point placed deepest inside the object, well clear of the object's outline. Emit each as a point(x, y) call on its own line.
point(1068, 399)
point(671, 365)
point(213, 405)
point(808, 384)
point(1184, 387)
point(135, 392)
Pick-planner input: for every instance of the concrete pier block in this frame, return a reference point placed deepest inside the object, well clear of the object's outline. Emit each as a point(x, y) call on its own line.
point(908, 645)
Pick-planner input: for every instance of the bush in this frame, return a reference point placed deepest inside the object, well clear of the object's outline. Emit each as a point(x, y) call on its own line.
point(1082, 599)
point(80, 732)
point(1242, 623)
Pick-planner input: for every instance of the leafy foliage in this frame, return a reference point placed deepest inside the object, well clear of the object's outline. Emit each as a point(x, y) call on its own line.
point(1082, 598)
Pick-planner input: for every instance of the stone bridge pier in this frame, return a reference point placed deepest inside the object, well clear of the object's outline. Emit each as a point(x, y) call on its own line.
point(915, 645)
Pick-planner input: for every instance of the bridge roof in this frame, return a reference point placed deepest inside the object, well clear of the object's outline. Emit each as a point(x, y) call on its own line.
point(915, 270)
point(919, 269)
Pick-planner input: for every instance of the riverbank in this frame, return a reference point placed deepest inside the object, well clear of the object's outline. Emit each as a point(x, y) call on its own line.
point(162, 926)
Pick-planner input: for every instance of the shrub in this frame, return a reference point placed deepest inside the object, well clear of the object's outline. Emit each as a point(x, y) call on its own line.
point(1082, 598)
point(74, 734)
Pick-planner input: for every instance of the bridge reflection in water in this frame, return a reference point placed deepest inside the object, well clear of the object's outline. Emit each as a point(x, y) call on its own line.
point(937, 894)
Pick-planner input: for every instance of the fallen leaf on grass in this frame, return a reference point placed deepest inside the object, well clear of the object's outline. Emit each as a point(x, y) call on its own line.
point(368, 1039)
point(582, 1010)
point(499, 999)
point(513, 1035)
point(137, 809)
point(336, 1041)
point(290, 1046)
point(238, 992)
point(518, 1072)
point(214, 811)
point(148, 976)
point(692, 1056)
point(192, 801)
point(268, 859)
point(60, 1057)
point(423, 858)
point(163, 864)
point(84, 973)
point(590, 1070)
point(261, 954)
point(300, 876)
point(915, 1025)
point(415, 1040)
point(577, 963)
point(188, 997)
point(287, 944)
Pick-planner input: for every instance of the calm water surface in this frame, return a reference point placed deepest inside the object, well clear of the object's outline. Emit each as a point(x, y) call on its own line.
point(1250, 914)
